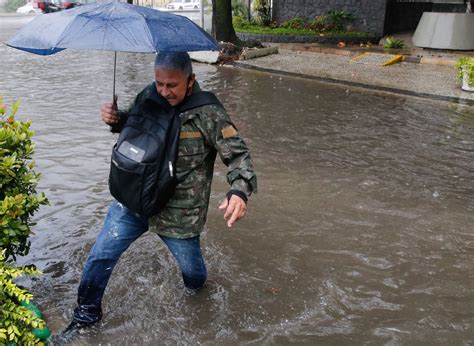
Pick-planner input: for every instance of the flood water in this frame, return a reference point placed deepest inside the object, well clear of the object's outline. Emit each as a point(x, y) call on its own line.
point(362, 231)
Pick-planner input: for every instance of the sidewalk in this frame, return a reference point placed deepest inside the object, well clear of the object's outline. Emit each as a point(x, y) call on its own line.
point(424, 73)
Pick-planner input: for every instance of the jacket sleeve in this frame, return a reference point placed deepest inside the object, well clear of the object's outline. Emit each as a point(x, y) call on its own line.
point(234, 153)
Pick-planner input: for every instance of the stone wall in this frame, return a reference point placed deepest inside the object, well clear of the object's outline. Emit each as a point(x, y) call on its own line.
point(305, 39)
point(370, 14)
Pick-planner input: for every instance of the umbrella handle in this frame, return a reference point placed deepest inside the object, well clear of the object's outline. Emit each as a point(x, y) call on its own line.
point(114, 97)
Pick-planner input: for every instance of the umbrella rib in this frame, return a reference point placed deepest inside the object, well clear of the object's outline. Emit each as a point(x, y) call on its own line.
point(107, 23)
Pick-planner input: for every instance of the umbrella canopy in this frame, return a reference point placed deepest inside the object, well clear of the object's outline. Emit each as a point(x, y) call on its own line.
point(113, 26)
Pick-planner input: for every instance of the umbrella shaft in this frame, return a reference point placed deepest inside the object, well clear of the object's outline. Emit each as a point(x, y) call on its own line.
point(114, 97)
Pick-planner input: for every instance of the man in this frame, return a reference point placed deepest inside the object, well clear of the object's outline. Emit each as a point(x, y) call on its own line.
point(205, 131)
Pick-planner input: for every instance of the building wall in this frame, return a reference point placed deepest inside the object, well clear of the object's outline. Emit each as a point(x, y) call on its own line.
point(152, 3)
point(370, 14)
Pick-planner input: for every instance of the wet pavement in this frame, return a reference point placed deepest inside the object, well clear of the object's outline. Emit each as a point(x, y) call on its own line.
point(436, 80)
point(361, 233)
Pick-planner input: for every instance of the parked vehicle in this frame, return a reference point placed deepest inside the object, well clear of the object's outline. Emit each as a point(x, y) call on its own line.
point(49, 6)
point(183, 5)
point(67, 4)
point(29, 8)
point(45, 6)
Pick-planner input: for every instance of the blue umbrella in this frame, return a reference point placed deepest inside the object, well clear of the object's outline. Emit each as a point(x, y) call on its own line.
point(113, 26)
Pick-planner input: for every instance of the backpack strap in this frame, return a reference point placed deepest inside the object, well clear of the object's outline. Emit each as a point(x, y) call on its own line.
point(199, 99)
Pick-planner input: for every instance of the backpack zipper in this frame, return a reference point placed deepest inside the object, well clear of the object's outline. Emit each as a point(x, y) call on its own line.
point(170, 166)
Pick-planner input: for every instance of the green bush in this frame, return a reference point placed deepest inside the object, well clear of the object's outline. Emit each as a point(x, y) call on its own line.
point(466, 65)
point(331, 24)
point(294, 23)
point(239, 22)
point(337, 20)
point(318, 24)
point(393, 43)
point(333, 21)
point(18, 180)
point(16, 321)
point(18, 202)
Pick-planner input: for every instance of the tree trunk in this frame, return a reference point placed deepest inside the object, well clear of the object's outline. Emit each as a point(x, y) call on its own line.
point(222, 28)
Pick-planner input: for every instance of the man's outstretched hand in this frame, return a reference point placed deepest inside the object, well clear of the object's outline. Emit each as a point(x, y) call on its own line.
point(235, 209)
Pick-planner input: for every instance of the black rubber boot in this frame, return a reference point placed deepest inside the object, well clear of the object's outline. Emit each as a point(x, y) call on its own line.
point(84, 318)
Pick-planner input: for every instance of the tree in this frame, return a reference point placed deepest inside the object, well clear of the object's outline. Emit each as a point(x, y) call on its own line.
point(222, 28)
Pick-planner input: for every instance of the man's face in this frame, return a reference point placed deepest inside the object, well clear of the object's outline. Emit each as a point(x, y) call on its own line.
point(173, 85)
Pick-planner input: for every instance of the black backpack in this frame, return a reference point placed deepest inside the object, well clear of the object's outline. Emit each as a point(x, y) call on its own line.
point(143, 164)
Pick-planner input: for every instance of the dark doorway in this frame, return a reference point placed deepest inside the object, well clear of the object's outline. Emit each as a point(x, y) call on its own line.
point(403, 16)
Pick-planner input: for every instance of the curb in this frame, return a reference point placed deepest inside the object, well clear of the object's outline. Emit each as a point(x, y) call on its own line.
point(459, 100)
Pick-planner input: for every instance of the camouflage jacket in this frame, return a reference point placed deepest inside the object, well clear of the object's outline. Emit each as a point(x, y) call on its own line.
point(205, 131)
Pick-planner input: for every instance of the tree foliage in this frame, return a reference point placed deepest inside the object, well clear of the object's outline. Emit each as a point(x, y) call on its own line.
point(263, 10)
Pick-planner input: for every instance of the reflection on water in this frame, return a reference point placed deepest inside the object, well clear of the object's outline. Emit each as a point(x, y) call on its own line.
point(362, 231)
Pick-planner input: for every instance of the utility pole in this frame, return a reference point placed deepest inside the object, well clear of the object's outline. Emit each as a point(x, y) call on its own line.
point(201, 10)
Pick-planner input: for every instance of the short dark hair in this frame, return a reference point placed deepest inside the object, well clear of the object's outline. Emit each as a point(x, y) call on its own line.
point(174, 61)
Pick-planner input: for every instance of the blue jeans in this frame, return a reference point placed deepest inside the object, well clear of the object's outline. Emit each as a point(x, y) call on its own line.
point(121, 228)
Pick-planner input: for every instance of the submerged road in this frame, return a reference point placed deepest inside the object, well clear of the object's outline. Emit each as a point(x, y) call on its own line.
point(361, 233)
